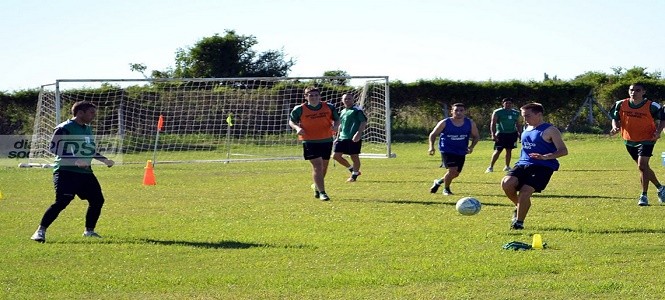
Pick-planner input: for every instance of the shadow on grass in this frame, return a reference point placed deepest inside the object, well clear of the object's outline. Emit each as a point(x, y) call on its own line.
point(577, 197)
point(221, 244)
point(605, 231)
point(429, 182)
point(453, 203)
point(194, 244)
point(592, 170)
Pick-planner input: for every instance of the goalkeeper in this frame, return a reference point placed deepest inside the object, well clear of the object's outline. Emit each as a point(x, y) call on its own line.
point(74, 146)
point(349, 139)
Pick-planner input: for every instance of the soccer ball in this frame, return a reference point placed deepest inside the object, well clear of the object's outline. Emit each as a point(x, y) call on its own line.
point(468, 206)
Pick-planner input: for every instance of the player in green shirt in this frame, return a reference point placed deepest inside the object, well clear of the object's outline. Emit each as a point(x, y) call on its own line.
point(349, 139)
point(505, 129)
point(73, 144)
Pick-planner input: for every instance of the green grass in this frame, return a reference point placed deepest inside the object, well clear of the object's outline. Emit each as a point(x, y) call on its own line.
point(254, 231)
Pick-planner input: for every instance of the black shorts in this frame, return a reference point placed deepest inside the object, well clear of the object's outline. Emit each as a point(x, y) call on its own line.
point(316, 150)
point(641, 150)
point(348, 147)
point(532, 175)
point(84, 185)
point(452, 160)
point(506, 141)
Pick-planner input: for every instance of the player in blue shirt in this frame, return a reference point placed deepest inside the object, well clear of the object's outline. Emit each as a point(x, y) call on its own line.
point(542, 144)
point(453, 134)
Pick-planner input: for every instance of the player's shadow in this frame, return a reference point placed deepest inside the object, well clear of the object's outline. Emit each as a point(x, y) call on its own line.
point(592, 170)
point(219, 245)
point(604, 231)
point(577, 197)
point(416, 202)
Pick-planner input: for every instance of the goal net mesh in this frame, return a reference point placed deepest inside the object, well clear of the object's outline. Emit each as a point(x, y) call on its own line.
point(204, 120)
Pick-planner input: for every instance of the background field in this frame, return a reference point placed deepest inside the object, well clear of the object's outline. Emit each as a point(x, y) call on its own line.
point(254, 231)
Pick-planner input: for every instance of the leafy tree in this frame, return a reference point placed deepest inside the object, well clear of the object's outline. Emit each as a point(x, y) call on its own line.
point(337, 81)
point(141, 68)
point(230, 55)
point(546, 77)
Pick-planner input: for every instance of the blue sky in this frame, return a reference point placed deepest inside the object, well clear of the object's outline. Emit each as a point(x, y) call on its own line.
point(407, 40)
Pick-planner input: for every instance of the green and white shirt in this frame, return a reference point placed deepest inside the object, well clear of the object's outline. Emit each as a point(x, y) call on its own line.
point(350, 119)
point(506, 120)
point(72, 141)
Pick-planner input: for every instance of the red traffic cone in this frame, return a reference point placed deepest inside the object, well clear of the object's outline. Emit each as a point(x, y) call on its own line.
point(149, 175)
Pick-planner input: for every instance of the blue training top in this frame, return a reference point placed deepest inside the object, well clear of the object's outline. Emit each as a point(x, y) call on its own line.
point(533, 142)
point(454, 139)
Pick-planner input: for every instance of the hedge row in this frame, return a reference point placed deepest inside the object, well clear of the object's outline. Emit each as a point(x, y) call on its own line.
point(417, 106)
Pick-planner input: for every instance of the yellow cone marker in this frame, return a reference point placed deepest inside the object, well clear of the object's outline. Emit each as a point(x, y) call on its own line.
point(537, 242)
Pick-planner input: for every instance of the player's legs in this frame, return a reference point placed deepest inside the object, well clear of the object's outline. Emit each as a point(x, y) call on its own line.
point(52, 212)
point(524, 202)
point(510, 143)
point(324, 166)
point(355, 158)
point(451, 173)
point(92, 191)
point(509, 185)
point(354, 153)
point(454, 165)
point(318, 155)
point(521, 199)
point(340, 148)
point(351, 148)
point(495, 157)
point(509, 156)
point(64, 194)
point(644, 153)
point(338, 157)
point(65, 189)
point(318, 173)
point(530, 179)
point(646, 174)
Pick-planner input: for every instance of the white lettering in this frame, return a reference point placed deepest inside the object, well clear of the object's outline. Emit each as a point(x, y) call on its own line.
point(528, 145)
point(457, 137)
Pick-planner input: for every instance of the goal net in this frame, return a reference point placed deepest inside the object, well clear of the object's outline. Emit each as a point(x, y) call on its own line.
point(204, 119)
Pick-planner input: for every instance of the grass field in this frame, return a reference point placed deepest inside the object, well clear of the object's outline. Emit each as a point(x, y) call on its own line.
point(254, 231)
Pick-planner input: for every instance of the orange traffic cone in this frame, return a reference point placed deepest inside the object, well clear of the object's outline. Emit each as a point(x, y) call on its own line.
point(149, 175)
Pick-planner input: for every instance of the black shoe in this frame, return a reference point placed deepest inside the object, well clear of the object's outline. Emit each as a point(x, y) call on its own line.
point(435, 187)
point(447, 192)
point(39, 236)
point(317, 194)
point(324, 197)
point(517, 225)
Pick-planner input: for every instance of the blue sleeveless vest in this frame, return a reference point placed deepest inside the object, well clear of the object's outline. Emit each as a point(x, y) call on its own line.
point(533, 142)
point(453, 139)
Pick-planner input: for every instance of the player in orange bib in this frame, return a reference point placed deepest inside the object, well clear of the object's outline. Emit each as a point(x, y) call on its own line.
point(314, 122)
point(640, 122)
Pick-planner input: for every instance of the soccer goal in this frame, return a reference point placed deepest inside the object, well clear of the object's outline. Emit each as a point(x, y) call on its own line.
point(204, 119)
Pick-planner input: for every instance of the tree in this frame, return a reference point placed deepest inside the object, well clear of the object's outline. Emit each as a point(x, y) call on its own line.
point(230, 55)
point(225, 56)
point(336, 73)
point(141, 68)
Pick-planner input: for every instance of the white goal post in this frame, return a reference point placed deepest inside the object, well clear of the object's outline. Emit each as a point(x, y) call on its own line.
point(204, 119)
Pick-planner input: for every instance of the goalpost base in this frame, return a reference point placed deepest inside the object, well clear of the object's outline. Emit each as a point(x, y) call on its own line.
point(35, 165)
